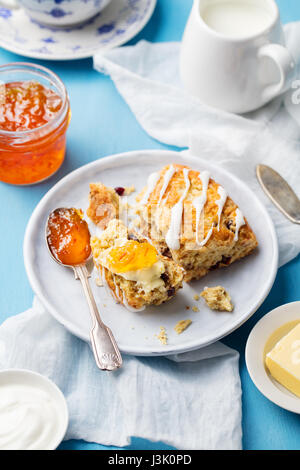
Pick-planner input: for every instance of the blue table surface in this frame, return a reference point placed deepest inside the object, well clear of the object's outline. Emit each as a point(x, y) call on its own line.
point(104, 126)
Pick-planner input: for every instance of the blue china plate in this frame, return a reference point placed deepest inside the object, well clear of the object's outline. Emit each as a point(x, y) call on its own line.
point(118, 23)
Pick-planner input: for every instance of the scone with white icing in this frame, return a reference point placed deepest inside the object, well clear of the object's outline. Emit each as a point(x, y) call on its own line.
point(191, 219)
point(134, 271)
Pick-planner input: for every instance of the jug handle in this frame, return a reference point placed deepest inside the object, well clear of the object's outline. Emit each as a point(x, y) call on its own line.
point(286, 65)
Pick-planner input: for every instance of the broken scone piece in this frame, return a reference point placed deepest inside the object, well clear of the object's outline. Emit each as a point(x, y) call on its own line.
point(104, 205)
point(135, 272)
point(182, 325)
point(217, 298)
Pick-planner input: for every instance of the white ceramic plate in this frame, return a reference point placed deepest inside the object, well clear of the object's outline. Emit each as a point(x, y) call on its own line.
point(248, 281)
point(255, 356)
point(119, 22)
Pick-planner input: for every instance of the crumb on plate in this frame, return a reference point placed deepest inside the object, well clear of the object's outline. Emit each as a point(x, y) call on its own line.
point(195, 309)
point(196, 297)
point(162, 336)
point(217, 298)
point(182, 325)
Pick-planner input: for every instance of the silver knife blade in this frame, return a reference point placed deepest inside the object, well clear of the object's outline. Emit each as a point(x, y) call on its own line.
point(280, 192)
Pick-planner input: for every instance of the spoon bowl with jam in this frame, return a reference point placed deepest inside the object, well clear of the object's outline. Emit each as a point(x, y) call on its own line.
point(68, 241)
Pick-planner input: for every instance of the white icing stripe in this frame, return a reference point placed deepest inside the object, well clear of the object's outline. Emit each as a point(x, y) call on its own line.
point(128, 307)
point(105, 283)
point(116, 294)
point(209, 233)
point(151, 183)
point(239, 222)
point(172, 237)
point(199, 202)
point(220, 203)
point(145, 237)
point(119, 296)
point(167, 178)
point(102, 277)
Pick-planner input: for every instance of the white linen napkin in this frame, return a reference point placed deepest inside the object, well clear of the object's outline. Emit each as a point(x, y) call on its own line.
point(147, 77)
point(189, 401)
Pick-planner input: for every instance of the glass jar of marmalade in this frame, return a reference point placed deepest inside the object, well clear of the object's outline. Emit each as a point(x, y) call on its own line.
point(34, 117)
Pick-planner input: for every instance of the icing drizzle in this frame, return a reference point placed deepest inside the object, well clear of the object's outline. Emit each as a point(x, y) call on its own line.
point(172, 237)
point(118, 294)
point(167, 178)
point(199, 202)
point(220, 203)
point(209, 233)
point(121, 297)
point(128, 307)
point(239, 222)
point(151, 183)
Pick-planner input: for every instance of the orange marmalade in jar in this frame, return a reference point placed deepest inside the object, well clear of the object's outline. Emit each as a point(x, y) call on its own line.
point(34, 117)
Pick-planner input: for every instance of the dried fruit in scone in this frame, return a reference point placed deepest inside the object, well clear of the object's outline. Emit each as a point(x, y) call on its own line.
point(135, 272)
point(217, 298)
point(191, 219)
point(104, 205)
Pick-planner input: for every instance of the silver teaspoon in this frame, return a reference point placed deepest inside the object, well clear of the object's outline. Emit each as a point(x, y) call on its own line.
point(67, 238)
point(280, 193)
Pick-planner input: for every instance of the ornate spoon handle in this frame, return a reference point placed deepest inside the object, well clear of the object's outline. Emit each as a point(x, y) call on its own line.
point(106, 352)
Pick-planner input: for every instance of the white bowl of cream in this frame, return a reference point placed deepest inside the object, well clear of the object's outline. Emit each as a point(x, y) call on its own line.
point(33, 411)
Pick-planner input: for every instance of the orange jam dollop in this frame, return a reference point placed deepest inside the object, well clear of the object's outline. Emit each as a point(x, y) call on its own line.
point(27, 105)
point(33, 124)
point(131, 256)
point(68, 236)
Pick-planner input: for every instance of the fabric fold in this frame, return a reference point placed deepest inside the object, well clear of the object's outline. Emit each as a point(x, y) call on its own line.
point(189, 401)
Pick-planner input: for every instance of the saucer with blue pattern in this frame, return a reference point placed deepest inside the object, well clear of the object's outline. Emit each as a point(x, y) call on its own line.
point(115, 25)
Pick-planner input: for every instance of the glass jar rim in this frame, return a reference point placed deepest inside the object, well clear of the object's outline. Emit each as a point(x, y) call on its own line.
point(53, 78)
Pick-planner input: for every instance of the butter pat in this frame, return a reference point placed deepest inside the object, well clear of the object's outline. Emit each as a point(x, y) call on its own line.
point(148, 278)
point(283, 361)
